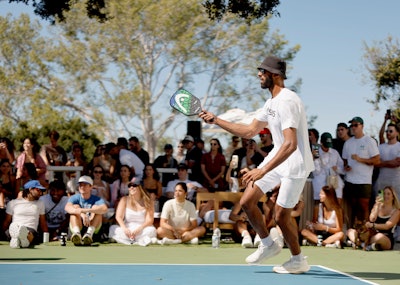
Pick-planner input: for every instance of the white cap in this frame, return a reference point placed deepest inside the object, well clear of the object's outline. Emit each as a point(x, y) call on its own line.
point(85, 179)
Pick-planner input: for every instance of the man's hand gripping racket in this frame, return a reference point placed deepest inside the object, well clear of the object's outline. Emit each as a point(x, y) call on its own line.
point(189, 105)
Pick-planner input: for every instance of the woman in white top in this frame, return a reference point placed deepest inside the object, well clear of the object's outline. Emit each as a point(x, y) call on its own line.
point(135, 217)
point(327, 226)
point(100, 187)
point(178, 221)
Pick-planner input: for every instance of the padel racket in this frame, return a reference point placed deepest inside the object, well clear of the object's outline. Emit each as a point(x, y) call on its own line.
point(185, 102)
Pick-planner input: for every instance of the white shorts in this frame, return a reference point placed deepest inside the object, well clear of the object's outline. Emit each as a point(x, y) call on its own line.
point(289, 191)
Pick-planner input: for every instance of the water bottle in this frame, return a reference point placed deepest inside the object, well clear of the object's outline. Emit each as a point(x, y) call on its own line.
point(216, 238)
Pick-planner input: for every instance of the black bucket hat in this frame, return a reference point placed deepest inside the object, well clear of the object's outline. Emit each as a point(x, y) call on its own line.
point(274, 65)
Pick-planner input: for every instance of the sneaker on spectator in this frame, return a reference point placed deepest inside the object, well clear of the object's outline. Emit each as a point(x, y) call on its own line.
point(169, 241)
point(23, 236)
point(247, 242)
point(145, 241)
point(87, 239)
point(14, 233)
point(76, 239)
point(293, 266)
point(194, 240)
point(154, 240)
point(263, 252)
point(257, 240)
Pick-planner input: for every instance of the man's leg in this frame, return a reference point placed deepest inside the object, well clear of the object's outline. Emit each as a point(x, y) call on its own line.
point(289, 231)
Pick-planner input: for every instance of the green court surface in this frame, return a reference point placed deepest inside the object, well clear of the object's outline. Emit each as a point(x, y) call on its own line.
point(374, 267)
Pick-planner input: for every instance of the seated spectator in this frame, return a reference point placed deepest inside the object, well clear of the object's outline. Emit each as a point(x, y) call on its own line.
point(135, 217)
point(166, 161)
point(213, 165)
point(119, 187)
point(126, 157)
point(7, 150)
point(78, 159)
point(253, 157)
point(28, 173)
point(54, 154)
point(86, 212)
point(103, 158)
point(7, 183)
point(192, 186)
point(23, 216)
point(234, 178)
point(54, 204)
point(181, 153)
point(152, 184)
point(234, 145)
point(178, 223)
point(100, 187)
point(383, 219)
point(327, 227)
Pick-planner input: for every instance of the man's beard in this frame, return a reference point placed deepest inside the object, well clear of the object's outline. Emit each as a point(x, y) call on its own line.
point(267, 83)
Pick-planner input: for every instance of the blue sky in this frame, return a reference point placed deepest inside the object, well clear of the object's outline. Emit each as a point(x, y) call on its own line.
point(332, 35)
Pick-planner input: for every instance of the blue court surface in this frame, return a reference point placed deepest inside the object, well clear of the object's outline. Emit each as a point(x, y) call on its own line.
point(150, 274)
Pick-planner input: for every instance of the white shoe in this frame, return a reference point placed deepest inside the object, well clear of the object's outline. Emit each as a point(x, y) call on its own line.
point(87, 239)
point(76, 239)
point(194, 240)
point(23, 236)
point(19, 236)
point(263, 252)
point(293, 267)
point(154, 240)
point(145, 241)
point(276, 237)
point(336, 244)
point(170, 241)
point(257, 240)
point(247, 242)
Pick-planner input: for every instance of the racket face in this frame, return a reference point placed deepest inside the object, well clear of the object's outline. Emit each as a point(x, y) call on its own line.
point(185, 102)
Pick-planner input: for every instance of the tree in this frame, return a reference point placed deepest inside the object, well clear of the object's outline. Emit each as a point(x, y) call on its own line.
point(383, 65)
point(119, 75)
point(216, 9)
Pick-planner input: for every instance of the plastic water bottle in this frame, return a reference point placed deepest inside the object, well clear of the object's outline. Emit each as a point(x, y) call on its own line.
point(216, 238)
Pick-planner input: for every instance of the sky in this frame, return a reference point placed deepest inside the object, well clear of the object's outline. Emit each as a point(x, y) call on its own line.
point(330, 62)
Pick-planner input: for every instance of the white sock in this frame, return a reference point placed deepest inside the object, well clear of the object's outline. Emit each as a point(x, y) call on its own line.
point(245, 233)
point(76, 230)
point(90, 230)
point(298, 257)
point(267, 241)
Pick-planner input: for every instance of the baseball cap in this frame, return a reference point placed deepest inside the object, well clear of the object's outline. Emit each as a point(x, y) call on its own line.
point(357, 119)
point(34, 184)
point(274, 65)
point(265, 131)
point(326, 140)
point(85, 179)
point(168, 146)
point(188, 139)
point(182, 166)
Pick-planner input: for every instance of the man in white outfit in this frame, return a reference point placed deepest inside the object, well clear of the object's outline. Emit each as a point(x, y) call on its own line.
point(288, 164)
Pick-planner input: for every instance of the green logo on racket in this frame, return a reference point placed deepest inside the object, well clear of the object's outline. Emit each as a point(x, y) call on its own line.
point(183, 101)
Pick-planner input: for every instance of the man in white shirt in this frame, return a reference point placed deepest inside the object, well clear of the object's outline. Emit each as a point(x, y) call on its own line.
point(288, 164)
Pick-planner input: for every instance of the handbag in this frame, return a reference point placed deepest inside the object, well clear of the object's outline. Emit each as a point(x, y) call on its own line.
point(332, 180)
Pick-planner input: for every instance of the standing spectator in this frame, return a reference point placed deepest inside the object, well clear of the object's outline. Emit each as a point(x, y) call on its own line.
point(166, 161)
point(29, 154)
point(126, 157)
point(7, 150)
point(253, 156)
point(136, 148)
point(360, 155)
point(7, 183)
point(86, 212)
point(327, 163)
point(342, 135)
point(78, 159)
point(234, 145)
point(54, 204)
point(53, 154)
point(181, 153)
point(389, 167)
point(178, 221)
point(213, 166)
point(328, 221)
point(193, 158)
point(23, 216)
point(266, 141)
point(313, 137)
point(105, 160)
point(135, 217)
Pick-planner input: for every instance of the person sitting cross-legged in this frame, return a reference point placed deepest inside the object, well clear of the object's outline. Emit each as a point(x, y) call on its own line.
point(86, 212)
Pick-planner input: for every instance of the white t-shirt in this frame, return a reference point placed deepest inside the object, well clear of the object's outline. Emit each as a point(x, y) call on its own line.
point(389, 176)
point(57, 214)
point(26, 212)
point(364, 147)
point(126, 157)
point(179, 215)
point(286, 110)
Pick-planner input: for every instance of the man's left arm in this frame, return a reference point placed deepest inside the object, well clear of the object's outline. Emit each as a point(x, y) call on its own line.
point(43, 223)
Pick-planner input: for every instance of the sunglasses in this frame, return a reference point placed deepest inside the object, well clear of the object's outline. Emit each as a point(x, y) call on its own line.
point(213, 144)
point(262, 70)
point(389, 131)
point(132, 185)
point(96, 171)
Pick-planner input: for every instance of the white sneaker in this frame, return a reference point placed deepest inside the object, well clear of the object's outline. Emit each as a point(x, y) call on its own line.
point(145, 241)
point(336, 244)
point(87, 239)
point(19, 236)
point(263, 252)
point(76, 239)
point(247, 242)
point(257, 240)
point(154, 240)
point(276, 236)
point(293, 267)
point(170, 241)
point(194, 240)
point(23, 236)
